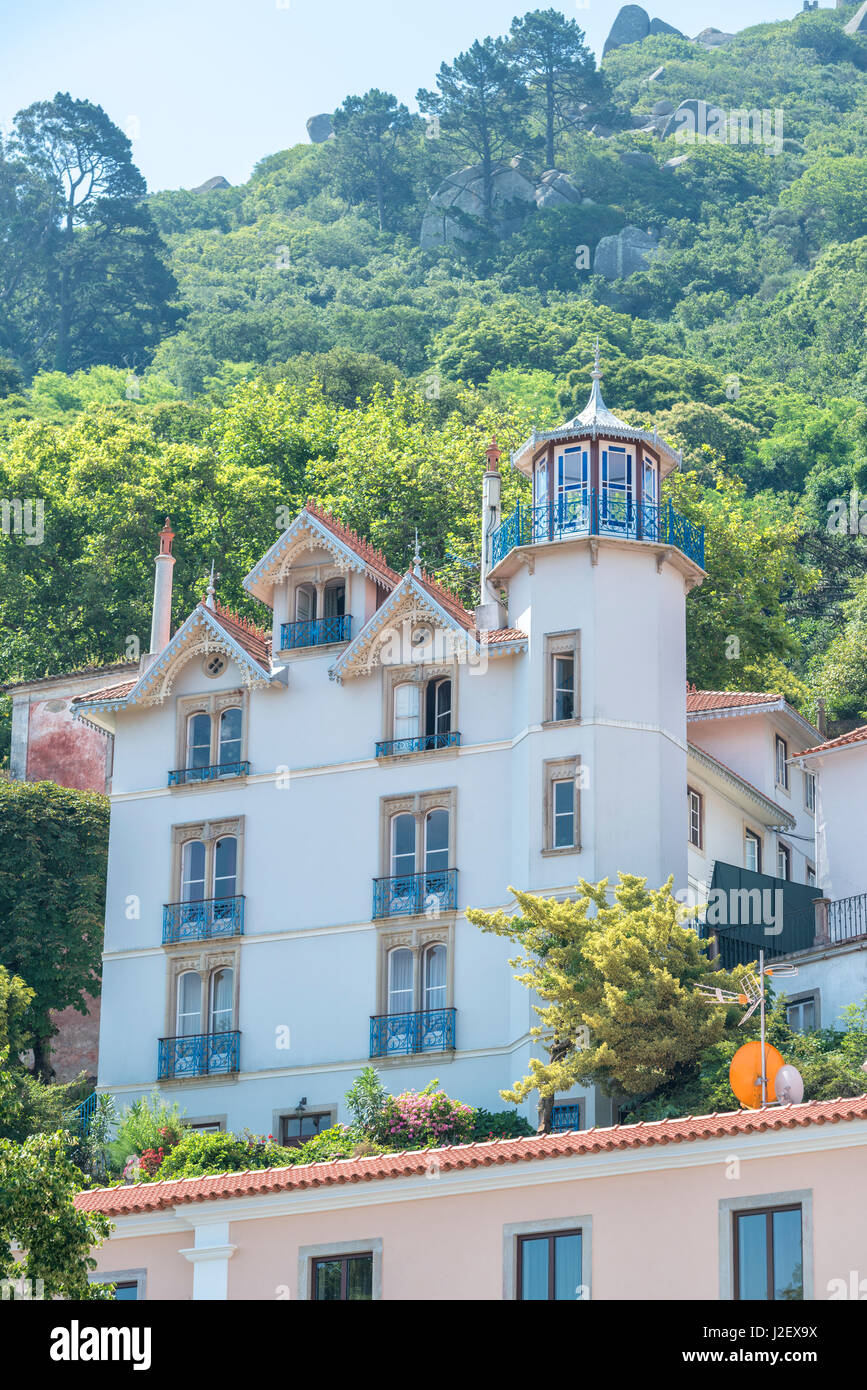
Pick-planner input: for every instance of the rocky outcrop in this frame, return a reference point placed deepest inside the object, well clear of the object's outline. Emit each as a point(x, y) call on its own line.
point(638, 159)
point(694, 115)
point(633, 24)
point(210, 184)
point(621, 255)
point(712, 38)
point(320, 128)
point(456, 210)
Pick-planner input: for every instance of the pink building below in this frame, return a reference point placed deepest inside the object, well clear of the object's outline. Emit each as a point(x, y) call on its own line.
point(752, 1204)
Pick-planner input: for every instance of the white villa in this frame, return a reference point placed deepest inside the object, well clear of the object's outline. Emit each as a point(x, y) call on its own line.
point(301, 816)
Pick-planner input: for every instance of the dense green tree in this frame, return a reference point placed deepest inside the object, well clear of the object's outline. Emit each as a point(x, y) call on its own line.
point(559, 68)
point(482, 103)
point(616, 981)
point(369, 132)
point(53, 852)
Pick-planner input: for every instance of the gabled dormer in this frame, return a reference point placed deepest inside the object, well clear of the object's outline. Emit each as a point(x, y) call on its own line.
point(322, 582)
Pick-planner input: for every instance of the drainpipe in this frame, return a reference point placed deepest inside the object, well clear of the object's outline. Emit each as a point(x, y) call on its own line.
point(489, 614)
point(161, 620)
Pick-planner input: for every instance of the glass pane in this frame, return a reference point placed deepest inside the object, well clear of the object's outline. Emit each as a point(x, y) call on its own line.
point(230, 736)
point(193, 876)
point(752, 1256)
point(125, 1292)
point(435, 978)
point(199, 741)
point(326, 1280)
point(567, 1266)
point(221, 1001)
point(443, 707)
point(564, 814)
point(808, 1015)
point(403, 845)
point(534, 1269)
point(305, 605)
point(569, 468)
point(189, 1004)
point(334, 600)
point(225, 867)
point(564, 682)
point(788, 1262)
point(400, 982)
point(436, 842)
point(359, 1277)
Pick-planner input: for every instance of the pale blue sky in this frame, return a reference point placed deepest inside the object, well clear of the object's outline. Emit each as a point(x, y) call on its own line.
point(207, 87)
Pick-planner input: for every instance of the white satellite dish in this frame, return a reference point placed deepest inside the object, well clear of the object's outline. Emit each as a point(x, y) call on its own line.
point(789, 1086)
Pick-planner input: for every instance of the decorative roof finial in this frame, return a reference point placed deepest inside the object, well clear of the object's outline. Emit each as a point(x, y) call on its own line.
point(492, 454)
point(209, 599)
point(416, 559)
point(167, 535)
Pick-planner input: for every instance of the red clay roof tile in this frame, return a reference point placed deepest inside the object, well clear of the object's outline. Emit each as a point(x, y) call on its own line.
point(858, 735)
point(156, 1196)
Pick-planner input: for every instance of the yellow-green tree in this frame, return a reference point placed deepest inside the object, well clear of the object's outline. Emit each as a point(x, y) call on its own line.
point(616, 980)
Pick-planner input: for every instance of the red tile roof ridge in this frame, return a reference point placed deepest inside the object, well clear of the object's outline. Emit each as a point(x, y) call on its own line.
point(363, 547)
point(247, 623)
point(858, 735)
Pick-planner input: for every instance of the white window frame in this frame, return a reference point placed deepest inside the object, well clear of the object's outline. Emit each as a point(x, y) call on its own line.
point(753, 837)
point(784, 851)
point(728, 1206)
point(810, 792)
point(781, 762)
point(694, 799)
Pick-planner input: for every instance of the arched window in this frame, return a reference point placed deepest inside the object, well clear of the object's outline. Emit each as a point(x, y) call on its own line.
point(438, 712)
point(406, 710)
point(335, 599)
point(435, 990)
point(226, 867)
point(305, 603)
point(193, 872)
point(198, 740)
point(400, 987)
point(189, 1021)
point(222, 1002)
point(402, 845)
point(436, 842)
point(230, 737)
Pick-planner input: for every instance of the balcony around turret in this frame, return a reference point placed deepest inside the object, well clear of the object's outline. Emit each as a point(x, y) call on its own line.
point(597, 477)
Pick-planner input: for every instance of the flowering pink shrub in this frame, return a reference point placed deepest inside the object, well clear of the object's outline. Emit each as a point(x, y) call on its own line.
point(419, 1120)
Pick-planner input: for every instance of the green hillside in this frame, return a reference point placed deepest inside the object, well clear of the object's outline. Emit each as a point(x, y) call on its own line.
point(221, 356)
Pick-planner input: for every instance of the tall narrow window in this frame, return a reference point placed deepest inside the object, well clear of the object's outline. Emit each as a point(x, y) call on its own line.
point(226, 867)
point(649, 482)
point(335, 599)
point(810, 791)
point(781, 756)
point(573, 482)
point(193, 872)
point(753, 852)
point(564, 686)
point(189, 1022)
point(438, 712)
point(305, 603)
point(784, 862)
point(811, 876)
point(694, 809)
point(435, 990)
point(406, 710)
point(564, 813)
point(402, 845)
point(400, 985)
point(768, 1255)
point(198, 740)
point(616, 488)
point(222, 987)
point(436, 842)
point(230, 737)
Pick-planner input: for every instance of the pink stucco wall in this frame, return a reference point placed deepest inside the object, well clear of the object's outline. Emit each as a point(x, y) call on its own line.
point(655, 1233)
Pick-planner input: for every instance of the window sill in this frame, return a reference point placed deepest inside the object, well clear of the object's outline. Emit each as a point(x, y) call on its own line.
point(421, 753)
point(212, 785)
point(556, 853)
point(315, 649)
point(561, 723)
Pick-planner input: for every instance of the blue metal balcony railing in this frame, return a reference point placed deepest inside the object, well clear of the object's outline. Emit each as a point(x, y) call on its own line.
point(412, 894)
point(201, 921)
point(182, 775)
point(316, 632)
point(425, 743)
point(432, 1030)
point(202, 1054)
point(598, 514)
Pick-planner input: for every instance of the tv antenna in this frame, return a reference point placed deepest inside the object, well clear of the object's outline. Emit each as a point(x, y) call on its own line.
point(752, 994)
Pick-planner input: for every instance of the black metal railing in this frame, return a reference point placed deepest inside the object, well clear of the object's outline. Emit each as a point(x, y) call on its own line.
point(201, 921)
point(430, 1030)
point(412, 894)
point(202, 1054)
point(847, 918)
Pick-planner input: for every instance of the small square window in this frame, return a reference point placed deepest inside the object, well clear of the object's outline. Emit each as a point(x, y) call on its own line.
point(297, 1129)
point(550, 1266)
point(768, 1254)
point(801, 1014)
point(343, 1278)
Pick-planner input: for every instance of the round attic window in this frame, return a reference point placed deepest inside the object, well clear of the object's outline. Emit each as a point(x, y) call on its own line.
point(215, 665)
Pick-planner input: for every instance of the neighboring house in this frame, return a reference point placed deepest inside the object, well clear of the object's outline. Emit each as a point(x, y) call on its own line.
point(301, 815)
point(50, 745)
point(744, 1206)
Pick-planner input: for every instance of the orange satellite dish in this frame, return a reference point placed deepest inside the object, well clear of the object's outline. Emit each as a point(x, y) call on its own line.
point(745, 1073)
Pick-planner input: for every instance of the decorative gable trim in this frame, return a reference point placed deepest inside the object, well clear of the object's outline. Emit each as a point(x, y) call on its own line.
point(407, 603)
point(306, 532)
point(201, 634)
